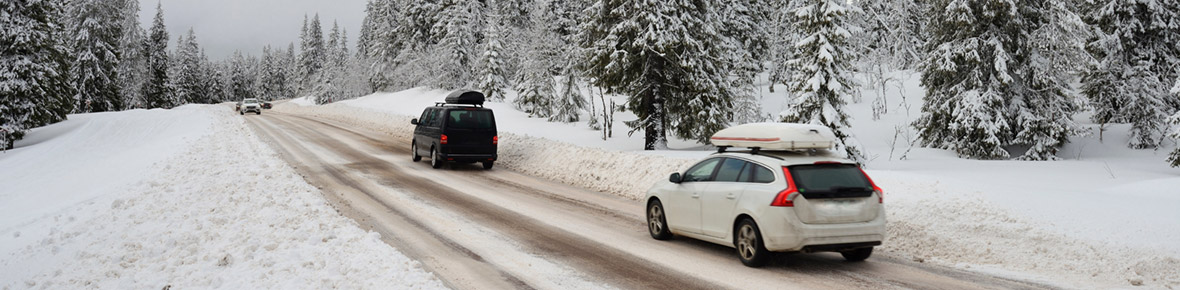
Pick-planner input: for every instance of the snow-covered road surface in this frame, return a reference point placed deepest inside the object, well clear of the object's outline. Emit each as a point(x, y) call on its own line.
point(501, 229)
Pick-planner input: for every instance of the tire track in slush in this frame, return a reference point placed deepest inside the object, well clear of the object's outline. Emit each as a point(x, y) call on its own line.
point(392, 234)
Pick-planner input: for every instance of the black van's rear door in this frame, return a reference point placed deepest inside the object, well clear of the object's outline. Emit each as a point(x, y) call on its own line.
point(470, 131)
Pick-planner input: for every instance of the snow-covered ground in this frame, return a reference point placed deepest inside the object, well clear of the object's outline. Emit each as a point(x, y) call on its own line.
point(190, 197)
point(1104, 216)
point(187, 197)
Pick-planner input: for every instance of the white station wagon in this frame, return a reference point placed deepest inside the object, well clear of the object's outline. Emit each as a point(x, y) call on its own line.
point(787, 193)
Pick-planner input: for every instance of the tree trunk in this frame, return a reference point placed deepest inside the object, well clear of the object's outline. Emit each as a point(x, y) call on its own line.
point(655, 134)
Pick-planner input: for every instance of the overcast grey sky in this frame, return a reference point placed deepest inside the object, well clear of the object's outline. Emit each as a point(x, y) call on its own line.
point(223, 26)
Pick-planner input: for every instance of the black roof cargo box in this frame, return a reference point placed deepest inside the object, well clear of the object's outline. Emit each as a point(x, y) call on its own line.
point(465, 98)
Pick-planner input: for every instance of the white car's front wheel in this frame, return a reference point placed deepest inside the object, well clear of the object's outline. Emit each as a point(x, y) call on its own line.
point(657, 224)
point(748, 241)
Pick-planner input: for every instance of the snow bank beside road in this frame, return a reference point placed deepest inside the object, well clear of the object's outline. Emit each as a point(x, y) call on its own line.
point(227, 212)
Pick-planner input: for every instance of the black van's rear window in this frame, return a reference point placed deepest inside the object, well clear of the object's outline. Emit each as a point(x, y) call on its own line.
point(829, 177)
point(470, 119)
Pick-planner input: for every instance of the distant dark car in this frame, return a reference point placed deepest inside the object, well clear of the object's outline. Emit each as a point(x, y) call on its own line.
point(458, 130)
point(266, 105)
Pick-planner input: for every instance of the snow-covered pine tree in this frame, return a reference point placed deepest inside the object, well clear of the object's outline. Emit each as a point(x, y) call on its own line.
point(1136, 58)
point(569, 101)
point(132, 65)
point(746, 28)
point(821, 82)
point(365, 35)
point(157, 93)
point(290, 65)
point(187, 76)
point(1042, 114)
point(492, 77)
point(561, 22)
point(668, 57)
point(455, 54)
point(536, 82)
point(967, 77)
point(988, 86)
point(210, 78)
point(382, 39)
point(328, 88)
point(312, 56)
point(333, 56)
point(535, 88)
point(241, 77)
point(271, 76)
point(96, 31)
point(420, 23)
point(34, 87)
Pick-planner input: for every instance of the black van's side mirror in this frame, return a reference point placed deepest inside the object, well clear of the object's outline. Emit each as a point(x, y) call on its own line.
point(414, 121)
point(675, 178)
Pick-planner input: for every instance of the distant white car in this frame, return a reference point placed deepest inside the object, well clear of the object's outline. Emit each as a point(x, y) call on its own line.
point(772, 198)
point(250, 105)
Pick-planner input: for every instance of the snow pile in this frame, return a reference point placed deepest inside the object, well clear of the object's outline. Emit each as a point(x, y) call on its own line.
point(933, 222)
point(45, 171)
point(625, 174)
point(227, 213)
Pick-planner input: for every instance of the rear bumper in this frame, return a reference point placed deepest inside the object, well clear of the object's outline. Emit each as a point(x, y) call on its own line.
point(785, 233)
point(468, 153)
point(467, 157)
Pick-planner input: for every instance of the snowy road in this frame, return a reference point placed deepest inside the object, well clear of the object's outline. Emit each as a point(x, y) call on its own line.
point(500, 229)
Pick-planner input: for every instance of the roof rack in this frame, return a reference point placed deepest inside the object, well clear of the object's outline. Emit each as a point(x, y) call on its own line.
point(753, 151)
point(443, 104)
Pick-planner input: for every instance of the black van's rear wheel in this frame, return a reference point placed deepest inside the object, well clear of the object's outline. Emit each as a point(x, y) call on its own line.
point(488, 164)
point(434, 162)
point(414, 151)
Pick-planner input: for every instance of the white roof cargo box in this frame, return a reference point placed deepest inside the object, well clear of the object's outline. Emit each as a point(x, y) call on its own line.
point(776, 136)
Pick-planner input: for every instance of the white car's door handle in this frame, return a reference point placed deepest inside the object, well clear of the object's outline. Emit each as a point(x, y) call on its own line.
point(696, 195)
point(731, 196)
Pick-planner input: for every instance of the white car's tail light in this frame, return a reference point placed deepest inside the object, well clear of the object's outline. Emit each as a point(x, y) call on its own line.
point(880, 193)
point(783, 198)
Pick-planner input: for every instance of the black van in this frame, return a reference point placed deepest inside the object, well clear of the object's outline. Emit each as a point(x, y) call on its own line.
point(459, 130)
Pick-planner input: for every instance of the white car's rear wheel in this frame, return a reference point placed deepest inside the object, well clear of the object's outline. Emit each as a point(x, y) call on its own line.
point(748, 241)
point(657, 224)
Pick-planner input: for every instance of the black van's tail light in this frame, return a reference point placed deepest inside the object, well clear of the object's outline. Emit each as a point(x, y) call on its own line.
point(443, 139)
point(880, 193)
point(783, 198)
point(495, 140)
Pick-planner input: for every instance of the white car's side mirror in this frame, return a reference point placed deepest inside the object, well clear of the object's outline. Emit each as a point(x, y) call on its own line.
point(675, 178)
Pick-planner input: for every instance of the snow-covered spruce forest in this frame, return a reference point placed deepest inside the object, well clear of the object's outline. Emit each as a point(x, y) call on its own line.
point(1002, 79)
